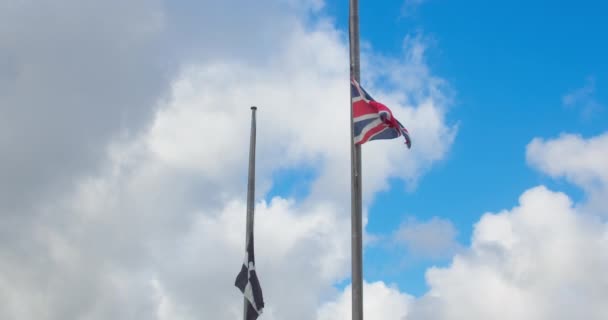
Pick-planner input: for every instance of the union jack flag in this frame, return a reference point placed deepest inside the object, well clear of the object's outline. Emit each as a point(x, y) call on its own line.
point(372, 120)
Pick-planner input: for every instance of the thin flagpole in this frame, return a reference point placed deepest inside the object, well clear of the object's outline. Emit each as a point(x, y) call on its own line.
point(250, 191)
point(355, 153)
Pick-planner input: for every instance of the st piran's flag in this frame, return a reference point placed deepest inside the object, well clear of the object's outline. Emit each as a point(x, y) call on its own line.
point(372, 120)
point(247, 281)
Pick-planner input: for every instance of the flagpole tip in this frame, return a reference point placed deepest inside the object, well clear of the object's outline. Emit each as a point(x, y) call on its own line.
point(254, 108)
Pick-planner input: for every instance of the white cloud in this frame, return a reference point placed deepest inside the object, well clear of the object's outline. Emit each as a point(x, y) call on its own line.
point(540, 260)
point(578, 160)
point(154, 229)
point(302, 117)
point(77, 75)
point(543, 259)
point(584, 99)
point(581, 161)
point(72, 79)
point(381, 302)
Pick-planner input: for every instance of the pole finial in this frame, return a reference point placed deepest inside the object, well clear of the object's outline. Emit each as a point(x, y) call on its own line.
point(254, 108)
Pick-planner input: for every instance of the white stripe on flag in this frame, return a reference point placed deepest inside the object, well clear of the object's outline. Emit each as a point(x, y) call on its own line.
point(366, 129)
point(249, 295)
point(366, 116)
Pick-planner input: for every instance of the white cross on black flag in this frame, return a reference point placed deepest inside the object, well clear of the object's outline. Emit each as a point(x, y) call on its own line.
point(247, 281)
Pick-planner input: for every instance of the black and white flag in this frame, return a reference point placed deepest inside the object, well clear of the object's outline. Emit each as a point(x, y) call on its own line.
point(247, 281)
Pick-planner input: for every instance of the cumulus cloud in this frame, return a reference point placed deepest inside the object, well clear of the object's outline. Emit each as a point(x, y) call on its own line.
point(580, 161)
point(381, 302)
point(542, 259)
point(539, 260)
point(78, 75)
point(124, 197)
point(72, 79)
point(305, 82)
point(146, 218)
point(407, 81)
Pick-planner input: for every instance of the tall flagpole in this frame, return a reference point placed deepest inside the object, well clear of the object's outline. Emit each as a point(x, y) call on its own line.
point(355, 155)
point(250, 191)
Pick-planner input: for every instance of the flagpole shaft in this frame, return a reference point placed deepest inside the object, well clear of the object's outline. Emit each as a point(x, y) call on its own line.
point(250, 190)
point(356, 193)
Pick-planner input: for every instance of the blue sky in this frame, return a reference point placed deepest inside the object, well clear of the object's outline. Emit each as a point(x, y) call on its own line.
point(510, 65)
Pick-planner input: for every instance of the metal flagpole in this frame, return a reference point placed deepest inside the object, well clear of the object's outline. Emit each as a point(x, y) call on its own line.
point(250, 190)
point(355, 154)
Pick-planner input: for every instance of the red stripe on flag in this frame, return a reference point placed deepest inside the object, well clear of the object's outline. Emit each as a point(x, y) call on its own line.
point(372, 132)
point(361, 108)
